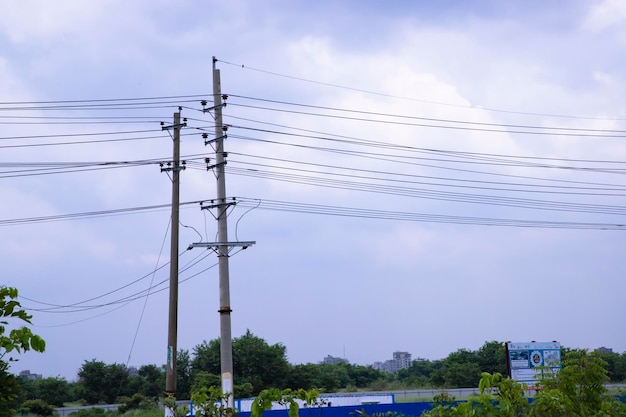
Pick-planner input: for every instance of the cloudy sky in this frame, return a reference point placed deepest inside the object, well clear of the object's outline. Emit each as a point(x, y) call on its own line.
point(418, 176)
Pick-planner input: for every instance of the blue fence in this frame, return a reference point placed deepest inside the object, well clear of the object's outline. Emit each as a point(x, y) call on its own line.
point(373, 410)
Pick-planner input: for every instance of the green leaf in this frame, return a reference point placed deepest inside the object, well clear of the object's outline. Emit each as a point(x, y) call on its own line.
point(293, 409)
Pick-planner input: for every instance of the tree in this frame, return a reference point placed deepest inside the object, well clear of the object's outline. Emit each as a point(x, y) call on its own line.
point(254, 362)
point(38, 408)
point(15, 337)
point(492, 358)
point(461, 369)
point(304, 376)
point(362, 376)
point(183, 374)
point(422, 373)
point(461, 374)
point(54, 391)
point(102, 384)
point(578, 389)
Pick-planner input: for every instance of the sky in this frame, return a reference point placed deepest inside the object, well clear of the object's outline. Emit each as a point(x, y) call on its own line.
point(417, 176)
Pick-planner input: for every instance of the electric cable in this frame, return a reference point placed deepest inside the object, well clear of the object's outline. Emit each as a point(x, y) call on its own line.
point(338, 86)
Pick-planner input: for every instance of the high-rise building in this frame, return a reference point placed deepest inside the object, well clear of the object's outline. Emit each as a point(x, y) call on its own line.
point(333, 360)
point(26, 374)
point(402, 359)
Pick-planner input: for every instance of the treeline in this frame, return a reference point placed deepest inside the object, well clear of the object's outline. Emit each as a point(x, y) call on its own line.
point(259, 365)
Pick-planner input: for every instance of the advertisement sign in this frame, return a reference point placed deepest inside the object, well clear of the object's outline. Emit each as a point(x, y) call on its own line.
point(526, 360)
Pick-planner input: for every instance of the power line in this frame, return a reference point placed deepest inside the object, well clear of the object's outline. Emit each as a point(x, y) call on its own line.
point(125, 99)
point(545, 189)
point(89, 214)
point(406, 160)
point(488, 109)
point(354, 212)
point(495, 200)
point(430, 119)
point(427, 125)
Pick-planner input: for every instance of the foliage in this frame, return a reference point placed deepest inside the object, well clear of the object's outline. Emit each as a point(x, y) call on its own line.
point(211, 402)
point(499, 397)
point(177, 410)
point(616, 365)
point(254, 361)
point(183, 374)
point(92, 412)
point(206, 379)
point(287, 398)
point(460, 369)
point(18, 339)
point(37, 407)
point(54, 391)
point(136, 402)
point(148, 382)
point(578, 389)
point(362, 413)
point(492, 357)
point(102, 384)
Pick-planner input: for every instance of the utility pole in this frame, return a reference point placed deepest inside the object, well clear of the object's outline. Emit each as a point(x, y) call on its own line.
point(226, 347)
point(172, 328)
point(222, 246)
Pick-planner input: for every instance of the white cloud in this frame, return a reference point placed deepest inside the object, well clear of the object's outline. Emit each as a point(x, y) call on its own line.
point(604, 15)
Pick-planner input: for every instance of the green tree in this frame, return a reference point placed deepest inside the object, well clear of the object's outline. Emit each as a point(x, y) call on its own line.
point(54, 391)
point(136, 402)
point(577, 389)
point(499, 397)
point(204, 379)
point(100, 383)
point(29, 390)
point(420, 374)
point(461, 374)
point(616, 365)
point(332, 377)
point(461, 369)
point(15, 337)
point(304, 376)
point(362, 376)
point(183, 374)
point(38, 408)
point(149, 382)
point(254, 361)
point(492, 358)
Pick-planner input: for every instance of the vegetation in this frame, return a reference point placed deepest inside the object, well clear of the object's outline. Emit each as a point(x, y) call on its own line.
point(260, 367)
point(37, 407)
point(576, 391)
point(15, 337)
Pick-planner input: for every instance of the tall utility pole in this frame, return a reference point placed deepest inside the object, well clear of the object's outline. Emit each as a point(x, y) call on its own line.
point(172, 328)
point(222, 246)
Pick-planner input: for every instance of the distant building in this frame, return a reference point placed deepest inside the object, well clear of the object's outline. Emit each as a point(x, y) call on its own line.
point(604, 350)
point(401, 360)
point(333, 360)
point(26, 374)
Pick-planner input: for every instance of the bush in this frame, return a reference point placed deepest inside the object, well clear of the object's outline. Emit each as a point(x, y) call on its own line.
point(37, 407)
point(93, 412)
point(136, 402)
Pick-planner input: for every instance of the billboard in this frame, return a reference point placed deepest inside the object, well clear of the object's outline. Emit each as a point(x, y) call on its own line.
point(526, 360)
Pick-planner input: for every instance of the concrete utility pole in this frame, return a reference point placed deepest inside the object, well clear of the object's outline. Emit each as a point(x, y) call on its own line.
point(172, 328)
point(222, 246)
point(226, 347)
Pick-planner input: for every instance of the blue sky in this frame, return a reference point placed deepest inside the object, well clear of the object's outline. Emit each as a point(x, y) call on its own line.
point(321, 284)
